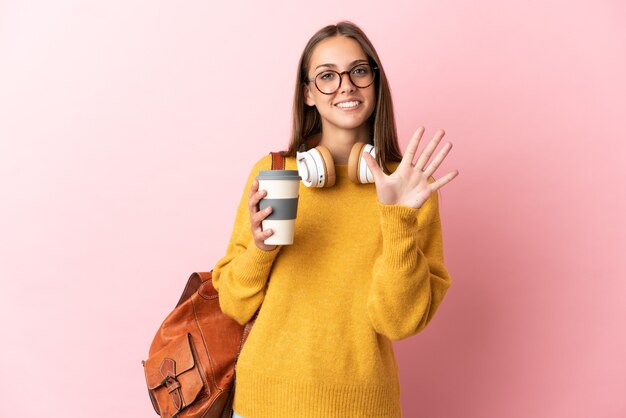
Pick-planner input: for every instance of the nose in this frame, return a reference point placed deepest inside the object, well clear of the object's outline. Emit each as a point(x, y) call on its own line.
point(346, 83)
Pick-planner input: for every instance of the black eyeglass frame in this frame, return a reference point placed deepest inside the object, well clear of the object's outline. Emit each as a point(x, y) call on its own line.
point(340, 74)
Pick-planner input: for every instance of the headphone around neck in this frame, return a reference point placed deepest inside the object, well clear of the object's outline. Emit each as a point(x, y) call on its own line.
point(317, 168)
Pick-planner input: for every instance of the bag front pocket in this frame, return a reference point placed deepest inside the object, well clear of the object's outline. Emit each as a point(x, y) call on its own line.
point(173, 376)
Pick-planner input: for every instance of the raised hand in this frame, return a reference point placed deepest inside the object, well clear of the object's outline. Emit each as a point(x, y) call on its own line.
point(408, 185)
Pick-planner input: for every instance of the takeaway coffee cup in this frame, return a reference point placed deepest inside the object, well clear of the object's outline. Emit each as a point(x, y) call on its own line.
point(282, 195)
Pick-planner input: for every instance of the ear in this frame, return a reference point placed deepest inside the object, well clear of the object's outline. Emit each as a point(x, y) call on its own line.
point(308, 96)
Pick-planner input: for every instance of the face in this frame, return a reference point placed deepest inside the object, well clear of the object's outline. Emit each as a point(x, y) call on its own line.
point(350, 107)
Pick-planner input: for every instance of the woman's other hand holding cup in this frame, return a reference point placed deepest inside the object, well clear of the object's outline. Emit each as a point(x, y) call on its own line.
point(256, 216)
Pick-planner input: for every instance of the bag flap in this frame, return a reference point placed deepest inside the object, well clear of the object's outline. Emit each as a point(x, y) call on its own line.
point(174, 359)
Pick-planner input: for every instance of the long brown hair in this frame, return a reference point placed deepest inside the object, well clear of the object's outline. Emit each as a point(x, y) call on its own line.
point(306, 119)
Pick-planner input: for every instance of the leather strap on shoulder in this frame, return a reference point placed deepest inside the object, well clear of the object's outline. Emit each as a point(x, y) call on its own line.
point(278, 161)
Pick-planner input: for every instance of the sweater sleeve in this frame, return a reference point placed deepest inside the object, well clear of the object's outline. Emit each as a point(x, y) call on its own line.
point(409, 277)
point(241, 275)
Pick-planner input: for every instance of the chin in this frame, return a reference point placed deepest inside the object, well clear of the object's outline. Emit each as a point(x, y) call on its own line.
point(352, 123)
point(348, 122)
point(350, 126)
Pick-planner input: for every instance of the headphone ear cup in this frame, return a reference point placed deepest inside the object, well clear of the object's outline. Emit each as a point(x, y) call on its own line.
point(358, 171)
point(329, 165)
point(316, 167)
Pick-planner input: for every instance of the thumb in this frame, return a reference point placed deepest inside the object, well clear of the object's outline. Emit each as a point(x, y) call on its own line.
point(377, 172)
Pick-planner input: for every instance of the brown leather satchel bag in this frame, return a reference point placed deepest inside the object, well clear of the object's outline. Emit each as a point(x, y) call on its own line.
point(190, 371)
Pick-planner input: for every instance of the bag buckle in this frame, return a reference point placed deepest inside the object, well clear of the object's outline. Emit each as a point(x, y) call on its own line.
point(168, 369)
point(165, 379)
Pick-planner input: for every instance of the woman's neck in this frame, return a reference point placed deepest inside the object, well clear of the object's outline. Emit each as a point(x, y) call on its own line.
point(340, 141)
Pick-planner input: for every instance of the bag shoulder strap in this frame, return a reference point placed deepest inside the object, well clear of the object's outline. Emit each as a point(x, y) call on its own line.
point(278, 160)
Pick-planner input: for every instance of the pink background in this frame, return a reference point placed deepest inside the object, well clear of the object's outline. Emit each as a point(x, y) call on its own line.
point(128, 128)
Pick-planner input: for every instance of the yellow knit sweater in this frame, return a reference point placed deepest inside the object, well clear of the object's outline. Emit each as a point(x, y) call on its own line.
point(359, 275)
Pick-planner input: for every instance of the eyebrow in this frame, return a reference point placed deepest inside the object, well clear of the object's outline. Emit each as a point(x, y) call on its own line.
point(334, 66)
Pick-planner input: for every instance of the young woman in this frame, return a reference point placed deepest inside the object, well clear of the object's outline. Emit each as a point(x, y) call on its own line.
point(366, 266)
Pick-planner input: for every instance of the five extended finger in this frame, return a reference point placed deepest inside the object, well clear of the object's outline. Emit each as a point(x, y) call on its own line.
point(438, 160)
point(444, 180)
point(430, 148)
point(411, 148)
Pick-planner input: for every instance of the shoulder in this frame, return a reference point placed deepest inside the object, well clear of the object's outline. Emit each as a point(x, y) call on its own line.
point(263, 163)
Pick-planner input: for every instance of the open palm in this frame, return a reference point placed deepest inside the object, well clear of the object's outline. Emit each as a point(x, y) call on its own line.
point(408, 185)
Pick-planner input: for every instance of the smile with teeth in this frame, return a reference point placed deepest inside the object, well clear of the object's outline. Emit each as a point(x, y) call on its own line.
point(348, 105)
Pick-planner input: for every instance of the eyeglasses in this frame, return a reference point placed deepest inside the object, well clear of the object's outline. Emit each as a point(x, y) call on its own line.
point(329, 81)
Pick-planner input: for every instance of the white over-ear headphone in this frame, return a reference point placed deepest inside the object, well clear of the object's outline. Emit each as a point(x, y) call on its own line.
point(317, 168)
